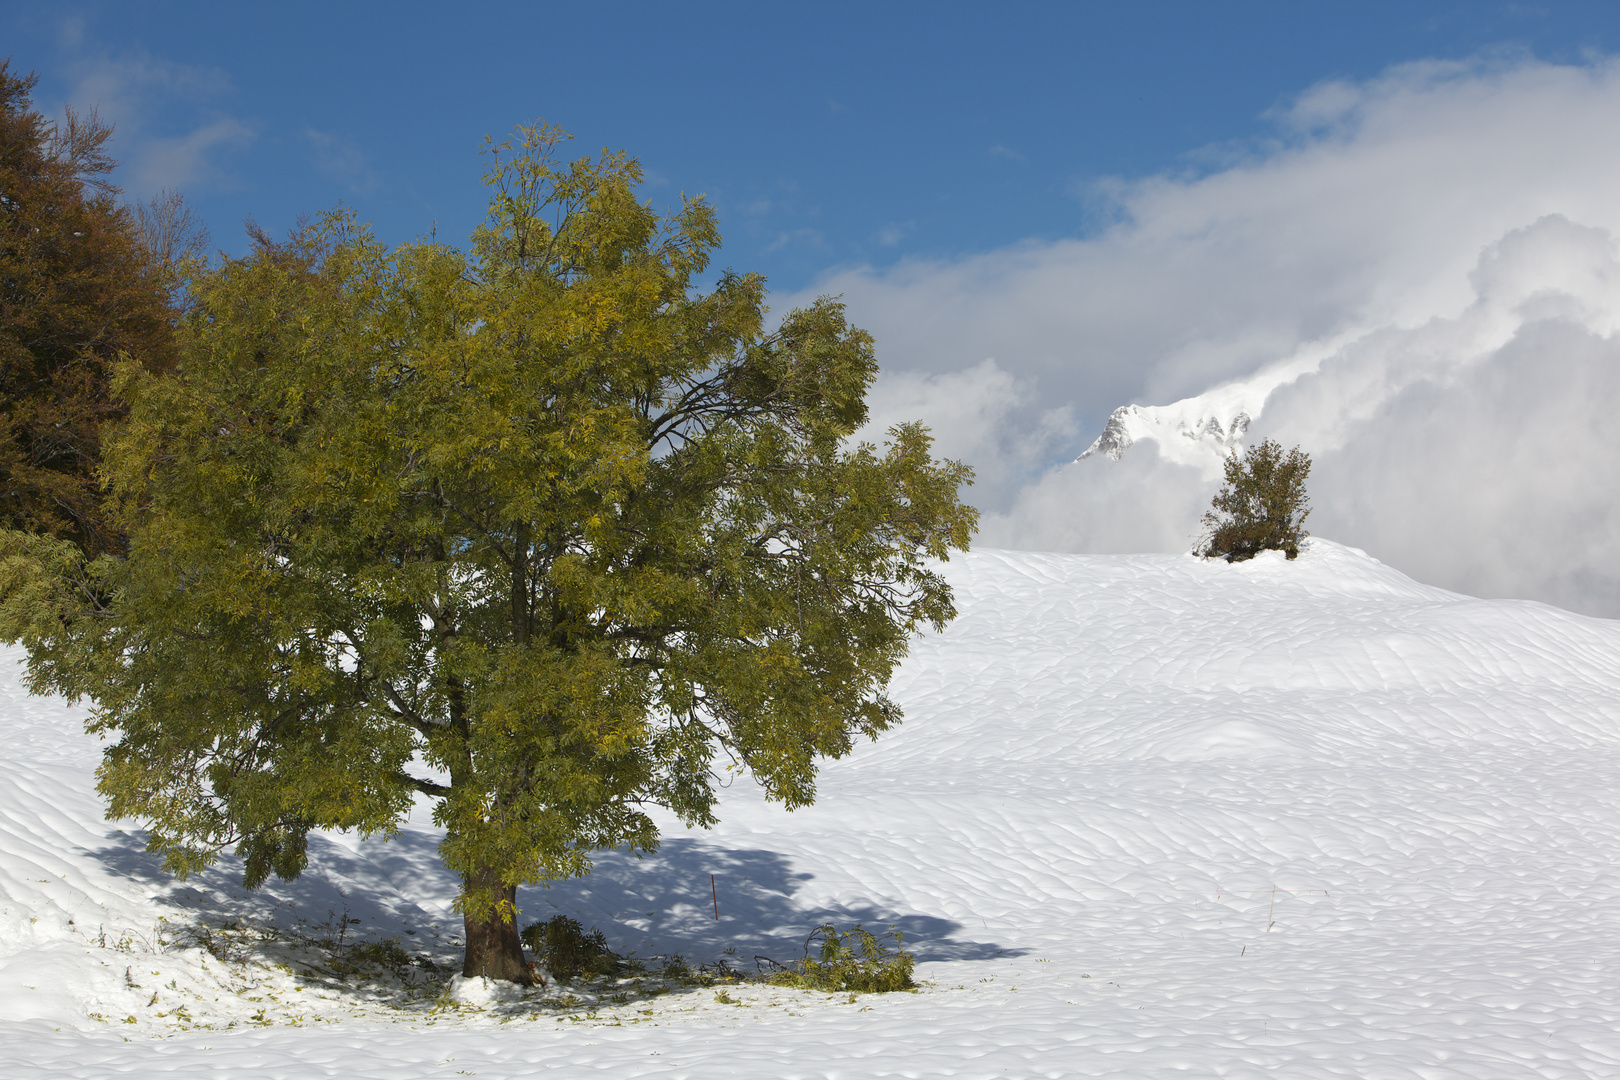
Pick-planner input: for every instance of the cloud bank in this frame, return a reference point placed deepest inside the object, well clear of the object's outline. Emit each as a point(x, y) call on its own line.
point(1419, 275)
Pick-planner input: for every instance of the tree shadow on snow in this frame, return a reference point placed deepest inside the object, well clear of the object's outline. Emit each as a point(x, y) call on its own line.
point(369, 922)
point(389, 887)
point(665, 902)
point(656, 905)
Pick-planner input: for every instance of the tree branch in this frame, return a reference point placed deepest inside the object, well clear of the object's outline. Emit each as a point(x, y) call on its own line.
point(404, 712)
point(426, 787)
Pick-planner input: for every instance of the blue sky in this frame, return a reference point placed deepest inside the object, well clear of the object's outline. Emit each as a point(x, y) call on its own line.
point(827, 134)
point(1383, 231)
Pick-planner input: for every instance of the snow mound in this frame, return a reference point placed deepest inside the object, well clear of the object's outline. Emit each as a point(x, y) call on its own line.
point(1147, 816)
point(480, 992)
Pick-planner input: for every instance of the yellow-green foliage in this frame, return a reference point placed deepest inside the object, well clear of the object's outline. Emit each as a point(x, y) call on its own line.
point(853, 961)
point(542, 513)
point(1261, 507)
point(567, 949)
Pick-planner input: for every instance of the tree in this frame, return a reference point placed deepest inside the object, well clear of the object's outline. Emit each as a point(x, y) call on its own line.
point(539, 531)
point(1261, 507)
point(78, 289)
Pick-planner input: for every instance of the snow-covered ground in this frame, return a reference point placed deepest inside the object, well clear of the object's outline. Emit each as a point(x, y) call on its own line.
point(1148, 816)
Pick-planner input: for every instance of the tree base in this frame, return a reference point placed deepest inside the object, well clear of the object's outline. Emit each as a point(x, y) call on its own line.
point(493, 948)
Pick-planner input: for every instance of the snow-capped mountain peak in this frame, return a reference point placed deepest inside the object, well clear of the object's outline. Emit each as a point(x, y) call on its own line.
point(1204, 430)
point(1128, 423)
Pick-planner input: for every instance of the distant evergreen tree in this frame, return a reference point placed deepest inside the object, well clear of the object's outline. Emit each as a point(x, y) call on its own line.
point(78, 290)
point(1261, 507)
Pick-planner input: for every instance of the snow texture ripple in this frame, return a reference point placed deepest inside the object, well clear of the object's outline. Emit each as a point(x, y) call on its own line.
point(1148, 816)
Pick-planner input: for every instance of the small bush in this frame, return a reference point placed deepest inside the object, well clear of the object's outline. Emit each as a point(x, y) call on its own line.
point(386, 954)
point(567, 950)
point(1261, 507)
point(854, 961)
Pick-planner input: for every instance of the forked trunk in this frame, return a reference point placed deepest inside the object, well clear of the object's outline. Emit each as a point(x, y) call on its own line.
point(493, 949)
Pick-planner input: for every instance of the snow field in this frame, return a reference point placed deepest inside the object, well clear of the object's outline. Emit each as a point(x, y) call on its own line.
point(1148, 816)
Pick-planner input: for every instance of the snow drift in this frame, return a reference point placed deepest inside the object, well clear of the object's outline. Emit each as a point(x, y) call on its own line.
point(1148, 816)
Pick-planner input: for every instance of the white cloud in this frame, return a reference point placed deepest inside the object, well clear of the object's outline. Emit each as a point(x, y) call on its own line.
point(122, 86)
point(132, 91)
point(1480, 452)
point(976, 417)
point(1141, 503)
point(1435, 244)
point(184, 162)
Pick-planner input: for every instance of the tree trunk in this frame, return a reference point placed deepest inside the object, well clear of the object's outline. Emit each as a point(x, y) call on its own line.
point(493, 949)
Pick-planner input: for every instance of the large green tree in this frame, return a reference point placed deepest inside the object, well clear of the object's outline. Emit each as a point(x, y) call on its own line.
point(79, 288)
point(540, 531)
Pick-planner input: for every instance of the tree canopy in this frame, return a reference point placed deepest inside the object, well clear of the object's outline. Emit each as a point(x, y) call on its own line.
point(78, 289)
point(1262, 506)
point(540, 530)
